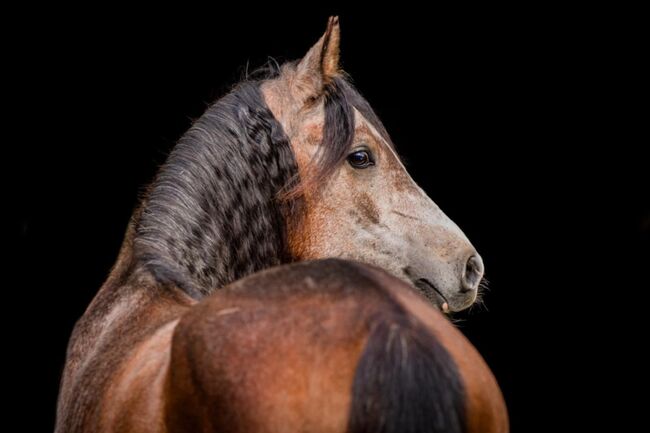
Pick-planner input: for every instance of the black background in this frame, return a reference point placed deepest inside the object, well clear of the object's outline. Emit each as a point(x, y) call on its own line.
point(520, 124)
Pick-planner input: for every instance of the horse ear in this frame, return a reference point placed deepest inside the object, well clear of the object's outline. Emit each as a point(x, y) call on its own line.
point(320, 65)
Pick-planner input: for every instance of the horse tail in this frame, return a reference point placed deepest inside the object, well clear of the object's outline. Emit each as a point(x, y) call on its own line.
point(405, 381)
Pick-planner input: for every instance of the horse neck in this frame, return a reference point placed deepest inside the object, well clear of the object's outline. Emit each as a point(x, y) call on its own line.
point(212, 215)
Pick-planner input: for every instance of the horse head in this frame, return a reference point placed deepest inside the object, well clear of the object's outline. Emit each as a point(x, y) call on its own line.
point(361, 203)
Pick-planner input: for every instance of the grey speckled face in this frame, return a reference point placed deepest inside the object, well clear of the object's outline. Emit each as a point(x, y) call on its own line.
point(368, 208)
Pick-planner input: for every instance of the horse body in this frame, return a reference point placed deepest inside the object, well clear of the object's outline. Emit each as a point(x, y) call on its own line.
point(280, 351)
point(187, 335)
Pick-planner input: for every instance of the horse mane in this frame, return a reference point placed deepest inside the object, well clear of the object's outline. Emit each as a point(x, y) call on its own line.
point(215, 192)
point(219, 206)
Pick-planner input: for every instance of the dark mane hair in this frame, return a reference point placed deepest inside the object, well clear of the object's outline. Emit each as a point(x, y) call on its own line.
point(218, 208)
point(340, 99)
point(405, 382)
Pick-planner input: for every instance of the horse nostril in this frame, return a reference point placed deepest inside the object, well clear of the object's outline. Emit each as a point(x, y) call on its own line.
point(472, 274)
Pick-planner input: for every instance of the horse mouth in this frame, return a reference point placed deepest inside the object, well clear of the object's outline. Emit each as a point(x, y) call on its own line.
point(433, 294)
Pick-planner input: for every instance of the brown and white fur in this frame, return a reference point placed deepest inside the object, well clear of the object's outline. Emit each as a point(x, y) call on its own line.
point(162, 347)
point(378, 215)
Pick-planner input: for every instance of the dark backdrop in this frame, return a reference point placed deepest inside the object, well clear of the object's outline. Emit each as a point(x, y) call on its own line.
point(519, 124)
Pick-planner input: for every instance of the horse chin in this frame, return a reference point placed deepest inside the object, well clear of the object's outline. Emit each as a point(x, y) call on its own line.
point(433, 295)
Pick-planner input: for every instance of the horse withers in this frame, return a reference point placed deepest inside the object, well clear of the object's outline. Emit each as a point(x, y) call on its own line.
point(292, 165)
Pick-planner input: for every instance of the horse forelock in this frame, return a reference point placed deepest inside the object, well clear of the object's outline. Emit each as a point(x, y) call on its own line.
point(340, 99)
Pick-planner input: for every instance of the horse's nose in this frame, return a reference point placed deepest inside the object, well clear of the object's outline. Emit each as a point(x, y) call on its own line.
point(472, 273)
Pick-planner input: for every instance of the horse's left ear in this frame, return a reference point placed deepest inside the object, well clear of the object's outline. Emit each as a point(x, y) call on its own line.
point(320, 65)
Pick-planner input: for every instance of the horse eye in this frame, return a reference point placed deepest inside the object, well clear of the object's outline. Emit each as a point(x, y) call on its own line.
point(360, 159)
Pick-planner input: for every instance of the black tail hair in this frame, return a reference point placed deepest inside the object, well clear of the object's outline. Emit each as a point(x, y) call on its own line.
point(405, 382)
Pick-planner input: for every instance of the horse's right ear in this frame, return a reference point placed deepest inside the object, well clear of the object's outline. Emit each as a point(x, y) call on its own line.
point(320, 65)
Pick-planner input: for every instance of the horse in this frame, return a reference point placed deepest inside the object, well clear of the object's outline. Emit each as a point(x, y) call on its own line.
point(222, 312)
